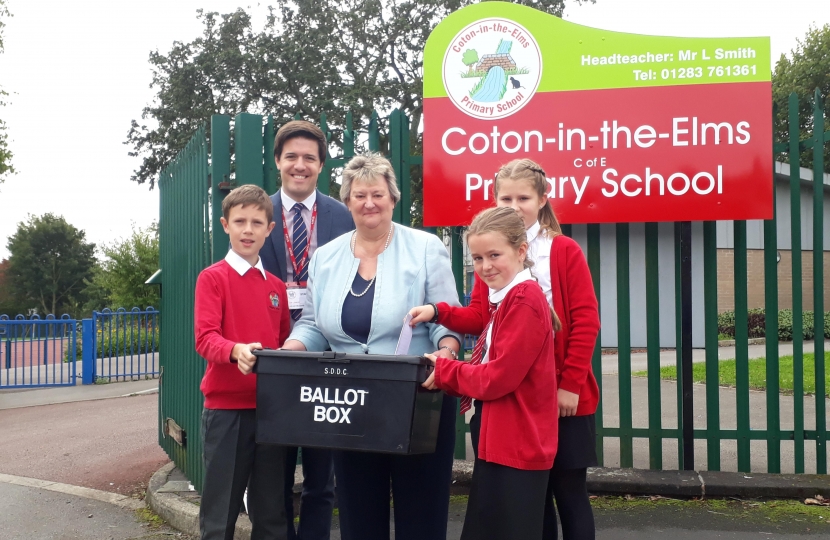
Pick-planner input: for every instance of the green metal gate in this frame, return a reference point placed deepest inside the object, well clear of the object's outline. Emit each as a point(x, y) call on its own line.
point(192, 189)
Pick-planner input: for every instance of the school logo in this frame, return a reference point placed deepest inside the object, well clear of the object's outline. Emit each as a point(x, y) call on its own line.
point(492, 68)
point(275, 300)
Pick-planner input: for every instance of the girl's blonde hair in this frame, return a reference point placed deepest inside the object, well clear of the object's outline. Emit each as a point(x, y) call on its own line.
point(506, 222)
point(527, 169)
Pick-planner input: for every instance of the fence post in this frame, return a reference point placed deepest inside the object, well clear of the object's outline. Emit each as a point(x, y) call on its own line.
point(88, 351)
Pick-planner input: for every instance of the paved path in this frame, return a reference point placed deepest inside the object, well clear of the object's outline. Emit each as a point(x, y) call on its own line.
point(108, 444)
point(610, 362)
point(30, 513)
point(30, 397)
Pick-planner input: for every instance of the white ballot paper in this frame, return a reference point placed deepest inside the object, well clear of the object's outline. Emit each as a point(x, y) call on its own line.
point(406, 337)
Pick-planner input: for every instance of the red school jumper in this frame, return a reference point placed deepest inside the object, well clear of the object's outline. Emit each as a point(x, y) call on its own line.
point(519, 422)
point(576, 305)
point(233, 309)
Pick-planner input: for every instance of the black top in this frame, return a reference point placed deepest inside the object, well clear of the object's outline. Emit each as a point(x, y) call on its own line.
point(356, 317)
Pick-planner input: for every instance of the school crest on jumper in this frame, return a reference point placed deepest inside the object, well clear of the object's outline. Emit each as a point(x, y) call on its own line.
point(275, 300)
point(492, 68)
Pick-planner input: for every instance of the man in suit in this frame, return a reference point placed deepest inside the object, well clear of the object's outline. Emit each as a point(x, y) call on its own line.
point(306, 219)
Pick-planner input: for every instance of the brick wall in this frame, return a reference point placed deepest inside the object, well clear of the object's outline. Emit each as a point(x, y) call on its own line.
point(755, 279)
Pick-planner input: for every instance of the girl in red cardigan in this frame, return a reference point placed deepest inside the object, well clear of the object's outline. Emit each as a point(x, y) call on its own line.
point(562, 272)
point(510, 377)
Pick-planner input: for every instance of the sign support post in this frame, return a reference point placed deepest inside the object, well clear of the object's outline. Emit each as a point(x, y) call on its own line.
point(686, 344)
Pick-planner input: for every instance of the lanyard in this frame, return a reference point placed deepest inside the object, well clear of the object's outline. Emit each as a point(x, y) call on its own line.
point(304, 257)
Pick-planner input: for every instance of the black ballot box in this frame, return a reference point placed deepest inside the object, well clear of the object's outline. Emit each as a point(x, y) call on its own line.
point(345, 401)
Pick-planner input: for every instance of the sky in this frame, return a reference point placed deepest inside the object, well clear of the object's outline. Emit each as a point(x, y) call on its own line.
point(78, 73)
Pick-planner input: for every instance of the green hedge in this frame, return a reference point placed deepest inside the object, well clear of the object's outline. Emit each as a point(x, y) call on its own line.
point(135, 341)
point(756, 324)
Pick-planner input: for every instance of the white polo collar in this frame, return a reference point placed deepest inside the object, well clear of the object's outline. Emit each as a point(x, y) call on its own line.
point(288, 203)
point(497, 296)
point(241, 265)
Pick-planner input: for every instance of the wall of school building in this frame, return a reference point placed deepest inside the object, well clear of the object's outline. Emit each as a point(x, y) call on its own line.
point(755, 262)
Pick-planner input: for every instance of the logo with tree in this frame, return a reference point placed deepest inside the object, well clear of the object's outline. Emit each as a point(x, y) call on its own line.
point(492, 68)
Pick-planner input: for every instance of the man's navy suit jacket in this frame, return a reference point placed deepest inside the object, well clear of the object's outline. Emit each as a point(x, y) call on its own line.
point(333, 219)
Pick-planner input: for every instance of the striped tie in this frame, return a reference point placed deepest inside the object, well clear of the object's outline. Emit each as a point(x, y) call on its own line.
point(299, 241)
point(478, 356)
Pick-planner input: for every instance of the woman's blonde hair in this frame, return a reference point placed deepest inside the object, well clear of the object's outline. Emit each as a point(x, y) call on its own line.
point(527, 169)
point(368, 168)
point(506, 222)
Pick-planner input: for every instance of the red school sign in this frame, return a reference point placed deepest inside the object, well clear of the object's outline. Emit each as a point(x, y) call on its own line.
point(628, 128)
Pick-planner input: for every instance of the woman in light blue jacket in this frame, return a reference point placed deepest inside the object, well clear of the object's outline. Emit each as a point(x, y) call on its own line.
point(360, 287)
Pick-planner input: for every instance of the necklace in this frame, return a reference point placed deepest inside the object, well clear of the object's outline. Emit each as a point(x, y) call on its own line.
point(371, 281)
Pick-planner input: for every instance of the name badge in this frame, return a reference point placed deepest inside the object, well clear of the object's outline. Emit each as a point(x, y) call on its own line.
point(296, 296)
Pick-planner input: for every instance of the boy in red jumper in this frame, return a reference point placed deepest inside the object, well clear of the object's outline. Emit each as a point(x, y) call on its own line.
point(239, 308)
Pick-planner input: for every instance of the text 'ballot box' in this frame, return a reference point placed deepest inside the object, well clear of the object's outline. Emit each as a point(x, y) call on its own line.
point(346, 401)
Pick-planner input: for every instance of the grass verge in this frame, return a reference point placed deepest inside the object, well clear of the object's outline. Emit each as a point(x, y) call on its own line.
point(757, 373)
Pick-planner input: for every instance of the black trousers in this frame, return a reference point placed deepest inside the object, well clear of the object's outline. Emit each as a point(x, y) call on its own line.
point(317, 501)
point(505, 503)
point(420, 486)
point(233, 461)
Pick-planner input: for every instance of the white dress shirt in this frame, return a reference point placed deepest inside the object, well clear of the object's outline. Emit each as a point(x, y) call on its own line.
point(288, 211)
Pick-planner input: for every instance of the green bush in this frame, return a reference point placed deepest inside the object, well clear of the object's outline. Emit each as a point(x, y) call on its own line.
point(127, 341)
point(756, 324)
point(726, 323)
point(124, 342)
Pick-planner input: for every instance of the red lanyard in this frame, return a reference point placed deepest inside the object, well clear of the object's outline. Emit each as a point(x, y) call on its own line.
point(304, 257)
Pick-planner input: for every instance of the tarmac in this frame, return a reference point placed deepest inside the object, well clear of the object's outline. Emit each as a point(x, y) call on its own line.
point(170, 495)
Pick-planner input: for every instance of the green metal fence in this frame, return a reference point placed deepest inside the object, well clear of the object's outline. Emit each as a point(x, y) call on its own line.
point(192, 189)
point(184, 233)
point(655, 434)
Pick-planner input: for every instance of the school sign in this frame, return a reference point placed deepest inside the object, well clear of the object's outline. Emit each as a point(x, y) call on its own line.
point(627, 127)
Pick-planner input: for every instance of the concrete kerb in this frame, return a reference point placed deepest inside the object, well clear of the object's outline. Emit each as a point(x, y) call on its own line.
point(116, 499)
point(184, 515)
point(178, 512)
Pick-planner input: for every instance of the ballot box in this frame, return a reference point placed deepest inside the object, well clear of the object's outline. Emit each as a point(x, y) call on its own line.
point(345, 401)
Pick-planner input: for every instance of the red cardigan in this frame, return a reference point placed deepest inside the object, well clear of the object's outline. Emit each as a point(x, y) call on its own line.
point(576, 305)
point(519, 425)
point(233, 309)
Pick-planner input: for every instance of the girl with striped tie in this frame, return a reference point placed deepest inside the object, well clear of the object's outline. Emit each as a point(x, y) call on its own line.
point(509, 381)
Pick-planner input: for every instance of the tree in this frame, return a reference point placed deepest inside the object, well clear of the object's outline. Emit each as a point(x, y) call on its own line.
point(470, 57)
point(5, 154)
point(48, 263)
point(8, 303)
point(311, 57)
point(128, 264)
point(807, 69)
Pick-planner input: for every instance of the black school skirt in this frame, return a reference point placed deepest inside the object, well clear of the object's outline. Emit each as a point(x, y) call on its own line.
point(577, 443)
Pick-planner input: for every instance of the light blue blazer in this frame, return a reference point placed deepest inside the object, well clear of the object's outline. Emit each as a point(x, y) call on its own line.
point(414, 270)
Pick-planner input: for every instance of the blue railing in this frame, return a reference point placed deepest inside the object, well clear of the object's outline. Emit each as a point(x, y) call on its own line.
point(125, 345)
point(37, 352)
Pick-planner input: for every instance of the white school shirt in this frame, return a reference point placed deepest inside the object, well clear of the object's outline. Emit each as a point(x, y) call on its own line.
point(288, 211)
point(538, 250)
point(241, 265)
point(496, 297)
